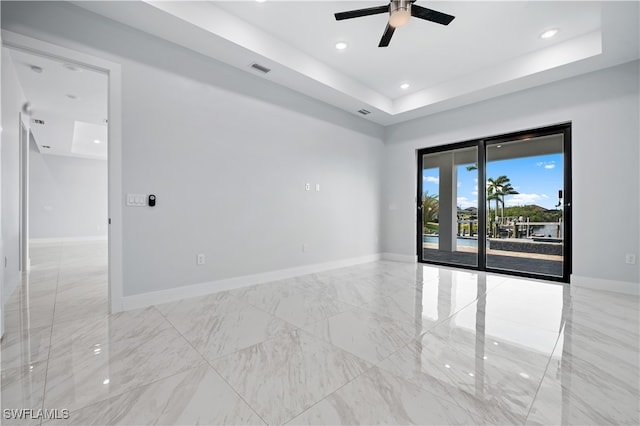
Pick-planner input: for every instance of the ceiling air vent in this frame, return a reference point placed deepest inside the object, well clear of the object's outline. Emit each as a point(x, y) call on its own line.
point(364, 112)
point(36, 121)
point(260, 68)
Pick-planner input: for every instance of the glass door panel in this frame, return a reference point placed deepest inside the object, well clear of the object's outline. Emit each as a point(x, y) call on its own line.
point(448, 208)
point(525, 206)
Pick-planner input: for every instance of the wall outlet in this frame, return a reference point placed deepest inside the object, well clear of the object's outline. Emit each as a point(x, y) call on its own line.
point(317, 187)
point(305, 247)
point(307, 187)
point(630, 258)
point(200, 259)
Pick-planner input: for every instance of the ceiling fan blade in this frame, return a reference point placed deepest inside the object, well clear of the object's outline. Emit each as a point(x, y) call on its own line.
point(362, 12)
point(386, 37)
point(431, 15)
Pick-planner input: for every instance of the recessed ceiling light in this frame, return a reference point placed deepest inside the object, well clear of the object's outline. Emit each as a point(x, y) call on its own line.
point(341, 45)
point(36, 69)
point(404, 86)
point(96, 141)
point(549, 33)
point(261, 1)
point(499, 146)
point(72, 96)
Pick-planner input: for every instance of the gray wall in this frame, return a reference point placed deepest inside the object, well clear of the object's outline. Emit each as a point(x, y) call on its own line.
point(228, 155)
point(12, 101)
point(67, 197)
point(603, 108)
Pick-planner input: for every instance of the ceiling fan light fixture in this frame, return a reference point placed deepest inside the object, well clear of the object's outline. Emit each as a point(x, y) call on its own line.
point(401, 14)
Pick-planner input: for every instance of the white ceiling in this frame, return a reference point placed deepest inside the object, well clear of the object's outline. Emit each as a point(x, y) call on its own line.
point(421, 53)
point(491, 48)
point(71, 125)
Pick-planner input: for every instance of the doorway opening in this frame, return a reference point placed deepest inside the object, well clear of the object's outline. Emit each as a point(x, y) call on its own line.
point(500, 204)
point(110, 232)
point(63, 185)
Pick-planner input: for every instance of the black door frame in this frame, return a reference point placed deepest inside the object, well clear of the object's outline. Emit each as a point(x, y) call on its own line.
point(482, 144)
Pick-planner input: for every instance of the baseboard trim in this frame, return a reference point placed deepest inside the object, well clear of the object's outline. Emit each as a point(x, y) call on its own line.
point(623, 287)
point(67, 239)
point(170, 295)
point(407, 258)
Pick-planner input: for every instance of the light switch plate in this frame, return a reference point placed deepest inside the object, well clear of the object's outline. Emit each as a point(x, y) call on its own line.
point(136, 200)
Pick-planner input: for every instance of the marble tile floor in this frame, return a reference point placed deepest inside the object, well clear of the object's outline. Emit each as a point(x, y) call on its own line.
point(377, 343)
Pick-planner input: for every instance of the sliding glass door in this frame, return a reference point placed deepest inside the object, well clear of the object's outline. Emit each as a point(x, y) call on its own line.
point(498, 204)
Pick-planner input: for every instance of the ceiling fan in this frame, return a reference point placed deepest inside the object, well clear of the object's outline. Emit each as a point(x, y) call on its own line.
point(400, 11)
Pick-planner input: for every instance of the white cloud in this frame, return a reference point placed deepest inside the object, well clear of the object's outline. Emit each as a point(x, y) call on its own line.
point(546, 164)
point(432, 179)
point(523, 199)
point(475, 192)
point(464, 202)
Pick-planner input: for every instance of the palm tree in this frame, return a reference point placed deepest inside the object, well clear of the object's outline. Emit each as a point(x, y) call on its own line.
point(494, 190)
point(497, 189)
point(430, 207)
point(507, 189)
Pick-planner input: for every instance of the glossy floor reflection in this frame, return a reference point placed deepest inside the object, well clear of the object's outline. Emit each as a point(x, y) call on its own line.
point(378, 343)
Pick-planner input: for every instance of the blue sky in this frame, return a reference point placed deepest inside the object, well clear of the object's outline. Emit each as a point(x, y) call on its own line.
point(537, 179)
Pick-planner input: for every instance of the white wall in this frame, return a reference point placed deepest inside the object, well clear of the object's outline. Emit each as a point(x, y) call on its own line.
point(228, 155)
point(603, 108)
point(67, 197)
point(12, 100)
